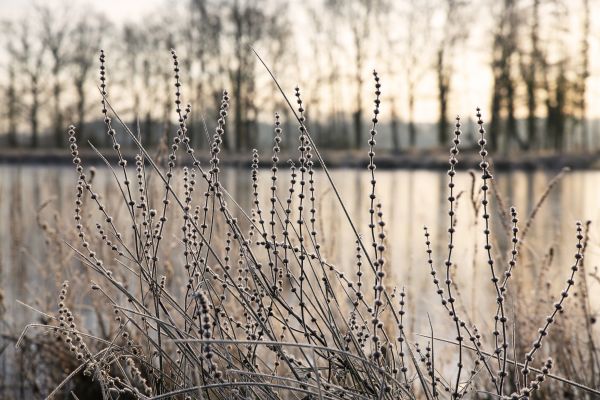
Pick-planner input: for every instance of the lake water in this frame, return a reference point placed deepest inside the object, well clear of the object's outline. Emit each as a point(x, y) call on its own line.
point(34, 197)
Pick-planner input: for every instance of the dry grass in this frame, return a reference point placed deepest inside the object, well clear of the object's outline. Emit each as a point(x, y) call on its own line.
point(192, 296)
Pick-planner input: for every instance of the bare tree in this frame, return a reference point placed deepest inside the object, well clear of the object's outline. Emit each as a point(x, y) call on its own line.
point(504, 49)
point(387, 53)
point(530, 70)
point(415, 57)
point(583, 75)
point(359, 19)
point(201, 34)
point(556, 83)
point(55, 31)
point(12, 101)
point(556, 103)
point(245, 24)
point(277, 47)
point(87, 41)
point(324, 76)
point(133, 43)
point(453, 33)
point(53, 55)
point(359, 15)
point(246, 20)
point(155, 44)
point(317, 80)
point(28, 55)
point(153, 91)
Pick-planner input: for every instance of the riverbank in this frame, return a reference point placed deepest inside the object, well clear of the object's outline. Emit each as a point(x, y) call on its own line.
point(469, 158)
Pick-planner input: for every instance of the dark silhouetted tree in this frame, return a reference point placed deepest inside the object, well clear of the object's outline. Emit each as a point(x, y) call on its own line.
point(55, 35)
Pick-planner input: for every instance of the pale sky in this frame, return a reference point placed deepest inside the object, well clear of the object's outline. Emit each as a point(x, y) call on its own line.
point(117, 10)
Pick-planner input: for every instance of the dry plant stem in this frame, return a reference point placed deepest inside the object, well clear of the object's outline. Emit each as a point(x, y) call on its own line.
point(380, 274)
point(291, 313)
point(258, 210)
point(342, 205)
point(475, 205)
point(587, 311)
point(305, 257)
point(306, 164)
point(322, 163)
point(540, 202)
point(116, 146)
point(85, 260)
point(154, 166)
point(432, 374)
point(514, 251)
point(157, 233)
point(448, 263)
point(558, 306)
point(503, 288)
point(213, 182)
point(378, 248)
point(312, 235)
point(214, 186)
point(401, 339)
point(473, 337)
point(301, 195)
point(501, 209)
point(449, 302)
point(485, 176)
point(277, 272)
point(519, 364)
point(372, 167)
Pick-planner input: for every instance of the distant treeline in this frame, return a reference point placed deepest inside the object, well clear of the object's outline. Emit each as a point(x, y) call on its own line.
point(539, 66)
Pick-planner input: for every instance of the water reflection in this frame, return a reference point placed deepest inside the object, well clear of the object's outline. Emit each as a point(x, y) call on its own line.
point(411, 199)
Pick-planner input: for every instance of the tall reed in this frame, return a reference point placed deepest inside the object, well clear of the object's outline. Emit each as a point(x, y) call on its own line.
point(261, 313)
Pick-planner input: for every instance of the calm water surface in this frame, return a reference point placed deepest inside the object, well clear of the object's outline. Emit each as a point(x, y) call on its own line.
point(411, 199)
point(33, 195)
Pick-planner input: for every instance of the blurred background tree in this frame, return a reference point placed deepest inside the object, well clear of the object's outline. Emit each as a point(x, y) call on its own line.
point(528, 62)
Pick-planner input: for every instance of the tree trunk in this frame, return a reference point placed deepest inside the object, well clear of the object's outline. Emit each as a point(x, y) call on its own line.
point(356, 123)
point(58, 117)
point(148, 130)
point(395, 127)
point(443, 89)
point(531, 106)
point(79, 87)
point(33, 114)
point(359, 84)
point(531, 81)
point(238, 78)
point(561, 88)
point(512, 128)
point(585, 47)
point(237, 104)
point(495, 117)
point(12, 107)
point(412, 130)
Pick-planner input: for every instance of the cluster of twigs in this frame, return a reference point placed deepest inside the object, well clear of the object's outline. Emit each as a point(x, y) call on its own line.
point(262, 314)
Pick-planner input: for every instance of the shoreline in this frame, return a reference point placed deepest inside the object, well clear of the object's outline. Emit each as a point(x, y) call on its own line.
point(434, 160)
